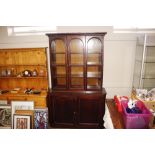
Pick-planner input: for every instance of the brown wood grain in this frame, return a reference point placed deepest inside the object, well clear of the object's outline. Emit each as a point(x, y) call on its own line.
point(116, 117)
point(19, 59)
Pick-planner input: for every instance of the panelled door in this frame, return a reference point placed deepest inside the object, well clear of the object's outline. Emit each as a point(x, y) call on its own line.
point(58, 56)
point(76, 61)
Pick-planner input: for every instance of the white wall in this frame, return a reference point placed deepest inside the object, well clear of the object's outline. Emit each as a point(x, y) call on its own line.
point(118, 58)
point(118, 65)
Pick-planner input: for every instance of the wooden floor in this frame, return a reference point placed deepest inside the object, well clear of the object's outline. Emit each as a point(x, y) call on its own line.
point(116, 117)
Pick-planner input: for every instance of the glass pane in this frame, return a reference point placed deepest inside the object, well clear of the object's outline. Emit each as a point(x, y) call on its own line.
point(93, 83)
point(58, 58)
point(150, 54)
point(136, 82)
point(149, 84)
point(76, 46)
point(149, 69)
point(139, 52)
point(59, 82)
point(94, 45)
point(77, 71)
point(58, 46)
point(59, 71)
point(77, 82)
point(94, 59)
point(137, 68)
point(76, 58)
point(93, 71)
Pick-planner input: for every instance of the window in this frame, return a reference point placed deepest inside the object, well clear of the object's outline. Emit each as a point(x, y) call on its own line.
point(30, 30)
point(126, 28)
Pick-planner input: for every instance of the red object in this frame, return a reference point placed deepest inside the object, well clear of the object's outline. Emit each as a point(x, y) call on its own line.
point(118, 100)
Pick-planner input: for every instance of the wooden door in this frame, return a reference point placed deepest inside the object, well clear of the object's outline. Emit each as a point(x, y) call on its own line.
point(63, 110)
point(90, 111)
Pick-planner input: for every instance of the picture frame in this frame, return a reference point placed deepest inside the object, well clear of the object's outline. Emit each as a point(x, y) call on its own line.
point(5, 116)
point(22, 121)
point(20, 105)
point(27, 112)
point(41, 118)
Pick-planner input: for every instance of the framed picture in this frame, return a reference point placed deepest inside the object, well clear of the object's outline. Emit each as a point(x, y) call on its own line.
point(41, 118)
point(27, 112)
point(22, 121)
point(5, 116)
point(20, 105)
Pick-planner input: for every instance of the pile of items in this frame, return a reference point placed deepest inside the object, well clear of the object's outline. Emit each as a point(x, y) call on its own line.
point(132, 107)
point(145, 95)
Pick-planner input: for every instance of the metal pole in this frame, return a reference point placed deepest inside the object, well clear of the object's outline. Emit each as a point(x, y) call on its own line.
point(143, 61)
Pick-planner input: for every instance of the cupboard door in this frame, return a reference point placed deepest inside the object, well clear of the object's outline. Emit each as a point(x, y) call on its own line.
point(90, 110)
point(94, 62)
point(64, 109)
point(76, 57)
point(58, 57)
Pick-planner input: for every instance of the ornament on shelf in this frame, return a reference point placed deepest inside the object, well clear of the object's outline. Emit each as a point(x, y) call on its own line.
point(34, 73)
point(4, 72)
point(26, 73)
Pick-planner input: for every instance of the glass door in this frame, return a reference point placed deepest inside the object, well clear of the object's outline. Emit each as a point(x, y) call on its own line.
point(94, 63)
point(149, 68)
point(58, 63)
point(76, 62)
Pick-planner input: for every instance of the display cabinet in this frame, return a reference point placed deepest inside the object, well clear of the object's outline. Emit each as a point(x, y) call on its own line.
point(22, 69)
point(144, 70)
point(76, 63)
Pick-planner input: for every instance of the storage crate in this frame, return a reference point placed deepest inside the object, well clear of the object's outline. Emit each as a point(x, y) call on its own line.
point(137, 121)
